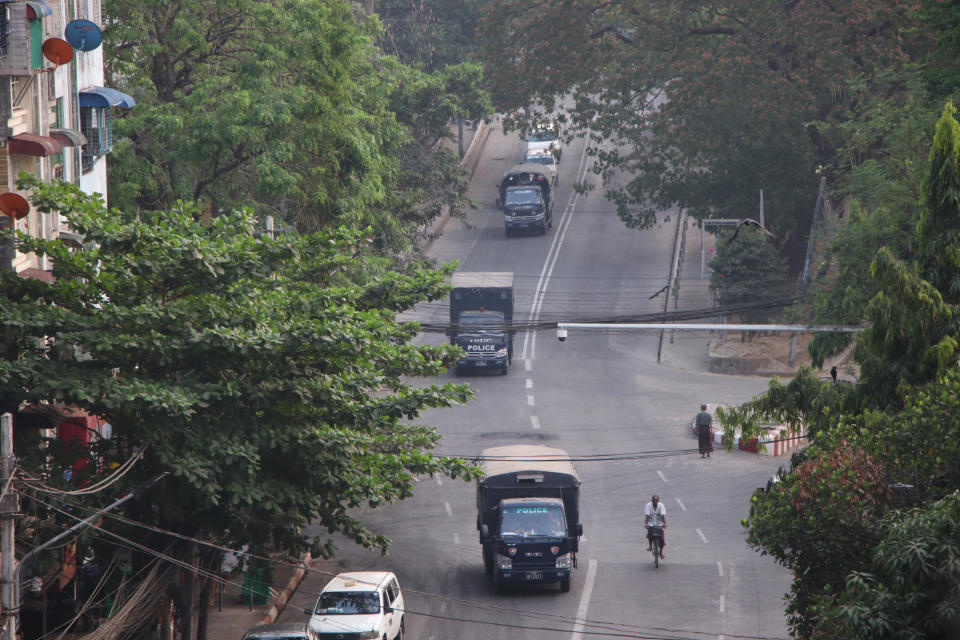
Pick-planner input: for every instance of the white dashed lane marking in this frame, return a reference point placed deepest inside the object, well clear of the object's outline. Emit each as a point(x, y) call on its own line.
point(527, 364)
point(702, 537)
point(660, 473)
point(531, 401)
point(682, 507)
point(529, 383)
point(446, 505)
point(535, 421)
point(720, 568)
point(456, 538)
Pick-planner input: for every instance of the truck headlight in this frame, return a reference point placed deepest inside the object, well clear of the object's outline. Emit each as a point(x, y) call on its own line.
point(565, 561)
point(504, 563)
point(502, 353)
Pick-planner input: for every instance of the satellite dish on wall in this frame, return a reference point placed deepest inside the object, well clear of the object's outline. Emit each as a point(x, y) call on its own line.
point(83, 35)
point(57, 51)
point(13, 206)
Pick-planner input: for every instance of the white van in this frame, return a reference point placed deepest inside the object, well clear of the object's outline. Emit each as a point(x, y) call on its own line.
point(361, 605)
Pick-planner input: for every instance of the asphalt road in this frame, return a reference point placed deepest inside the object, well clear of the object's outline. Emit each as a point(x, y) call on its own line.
point(595, 393)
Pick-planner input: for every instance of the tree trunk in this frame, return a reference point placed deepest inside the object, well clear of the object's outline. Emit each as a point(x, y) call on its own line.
point(210, 563)
point(188, 599)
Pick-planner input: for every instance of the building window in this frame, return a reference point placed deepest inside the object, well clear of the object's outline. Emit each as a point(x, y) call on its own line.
point(97, 126)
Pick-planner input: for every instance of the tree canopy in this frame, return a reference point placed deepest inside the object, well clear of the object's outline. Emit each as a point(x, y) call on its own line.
point(263, 373)
point(867, 517)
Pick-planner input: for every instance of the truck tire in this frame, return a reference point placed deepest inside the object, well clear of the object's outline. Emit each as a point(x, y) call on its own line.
point(503, 371)
point(508, 231)
point(487, 564)
point(565, 585)
point(497, 583)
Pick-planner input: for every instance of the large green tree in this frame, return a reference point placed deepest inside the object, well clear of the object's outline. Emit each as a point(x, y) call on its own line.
point(895, 429)
point(288, 107)
point(256, 371)
point(705, 104)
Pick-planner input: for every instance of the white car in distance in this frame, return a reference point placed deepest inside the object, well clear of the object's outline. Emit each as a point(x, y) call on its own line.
point(545, 158)
point(545, 138)
point(360, 605)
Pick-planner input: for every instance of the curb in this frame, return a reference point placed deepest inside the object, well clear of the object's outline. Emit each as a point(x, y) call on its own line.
point(284, 596)
point(470, 160)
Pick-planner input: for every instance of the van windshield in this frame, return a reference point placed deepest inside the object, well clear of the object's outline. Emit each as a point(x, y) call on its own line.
point(543, 135)
point(348, 603)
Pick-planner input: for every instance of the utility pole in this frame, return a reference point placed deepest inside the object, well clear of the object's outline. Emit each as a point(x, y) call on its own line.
point(9, 508)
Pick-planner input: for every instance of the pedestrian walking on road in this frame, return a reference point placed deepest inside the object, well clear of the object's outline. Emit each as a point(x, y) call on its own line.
point(704, 424)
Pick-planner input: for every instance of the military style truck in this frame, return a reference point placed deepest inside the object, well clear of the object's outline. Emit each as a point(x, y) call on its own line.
point(524, 196)
point(528, 515)
point(481, 319)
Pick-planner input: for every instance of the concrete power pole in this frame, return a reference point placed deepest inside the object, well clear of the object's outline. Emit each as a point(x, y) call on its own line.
point(9, 507)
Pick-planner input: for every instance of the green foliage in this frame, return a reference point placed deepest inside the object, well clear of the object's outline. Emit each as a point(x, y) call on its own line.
point(699, 106)
point(748, 269)
point(289, 107)
point(896, 426)
point(265, 375)
point(430, 33)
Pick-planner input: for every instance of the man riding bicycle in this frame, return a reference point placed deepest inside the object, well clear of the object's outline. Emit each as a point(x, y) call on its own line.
point(655, 515)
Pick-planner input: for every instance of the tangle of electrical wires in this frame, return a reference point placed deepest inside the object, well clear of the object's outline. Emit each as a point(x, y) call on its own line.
point(98, 486)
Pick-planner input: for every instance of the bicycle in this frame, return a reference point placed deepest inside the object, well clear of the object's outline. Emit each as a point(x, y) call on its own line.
point(656, 538)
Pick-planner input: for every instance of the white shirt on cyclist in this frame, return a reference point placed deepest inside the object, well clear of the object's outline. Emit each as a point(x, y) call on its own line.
point(654, 516)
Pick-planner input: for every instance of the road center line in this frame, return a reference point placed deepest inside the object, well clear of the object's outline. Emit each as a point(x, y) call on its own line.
point(446, 505)
point(682, 507)
point(527, 364)
point(531, 401)
point(702, 537)
point(660, 473)
point(721, 603)
point(535, 421)
point(439, 481)
point(456, 538)
point(720, 568)
point(530, 337)
point(529, 383)
point(584, 600)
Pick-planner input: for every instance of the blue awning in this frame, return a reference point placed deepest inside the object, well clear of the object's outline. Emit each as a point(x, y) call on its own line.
point(40, 9)
point(104, 97)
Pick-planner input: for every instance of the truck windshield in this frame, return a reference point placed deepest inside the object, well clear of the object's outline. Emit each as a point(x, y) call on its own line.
point(543, 135)
point(540, 520)
point(522, 196)
point(540, 158)
point(482, 318)
point(348, 603)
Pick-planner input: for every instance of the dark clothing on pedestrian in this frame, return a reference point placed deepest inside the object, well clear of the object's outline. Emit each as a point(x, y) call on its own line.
point(704, 423)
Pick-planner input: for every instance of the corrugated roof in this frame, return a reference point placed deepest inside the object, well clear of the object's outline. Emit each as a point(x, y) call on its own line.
point(526, 457)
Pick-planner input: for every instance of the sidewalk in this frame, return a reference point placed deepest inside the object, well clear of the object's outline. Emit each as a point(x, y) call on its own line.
point(231, 615)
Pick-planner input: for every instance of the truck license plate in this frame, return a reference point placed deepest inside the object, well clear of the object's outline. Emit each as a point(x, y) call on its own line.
point(534, 575)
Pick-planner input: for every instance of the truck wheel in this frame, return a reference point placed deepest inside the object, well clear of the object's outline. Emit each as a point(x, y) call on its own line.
point(503, 371)
point(487, 564)
point(565, 585)
point(508, 231)
point(497, 583)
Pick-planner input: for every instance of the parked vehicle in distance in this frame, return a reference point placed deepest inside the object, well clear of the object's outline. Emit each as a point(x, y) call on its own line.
point(547, 159)
point(360, 605)
point(281, 631)
point(545, 137)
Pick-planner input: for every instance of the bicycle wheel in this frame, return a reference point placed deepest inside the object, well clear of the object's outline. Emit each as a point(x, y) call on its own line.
point(656, 552)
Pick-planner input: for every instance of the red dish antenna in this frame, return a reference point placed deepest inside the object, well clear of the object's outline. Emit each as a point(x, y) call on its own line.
point(14, 206)
point(57, 51)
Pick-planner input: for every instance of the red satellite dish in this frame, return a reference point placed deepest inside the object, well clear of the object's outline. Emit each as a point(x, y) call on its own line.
point(14, 205)
point(57, 51)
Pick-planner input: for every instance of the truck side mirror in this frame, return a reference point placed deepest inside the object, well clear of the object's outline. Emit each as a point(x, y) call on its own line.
point(579, 529)
point(485, 530)
point(387, 608)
